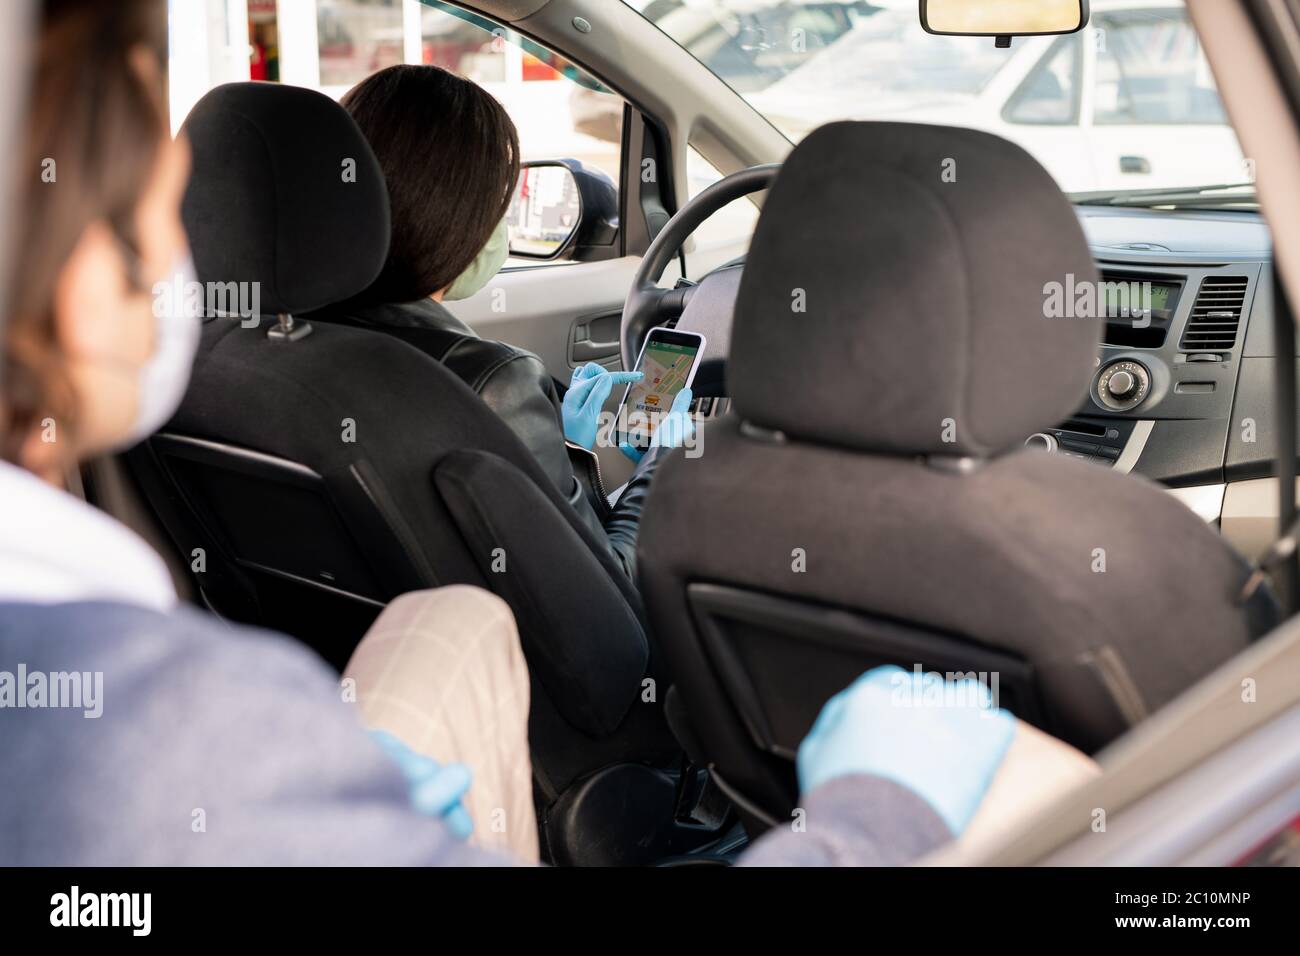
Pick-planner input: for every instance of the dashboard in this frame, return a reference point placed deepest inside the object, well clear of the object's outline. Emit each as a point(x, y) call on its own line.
point(1183, 393)
point(1163, 396)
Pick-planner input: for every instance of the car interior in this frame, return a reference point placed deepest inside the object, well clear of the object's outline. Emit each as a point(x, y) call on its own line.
point(920, 469)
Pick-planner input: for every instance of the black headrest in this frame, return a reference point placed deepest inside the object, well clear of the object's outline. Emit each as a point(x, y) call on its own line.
point(285, 192)
point(895, 295)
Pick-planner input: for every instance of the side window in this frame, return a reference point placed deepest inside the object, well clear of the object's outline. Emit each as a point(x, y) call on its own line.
point(355, 39)
point(724, 235)
point(1050, 93)
point(1151, 70)
point(560, 111)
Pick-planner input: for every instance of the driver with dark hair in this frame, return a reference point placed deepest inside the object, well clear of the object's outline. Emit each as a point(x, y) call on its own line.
point(450, 155)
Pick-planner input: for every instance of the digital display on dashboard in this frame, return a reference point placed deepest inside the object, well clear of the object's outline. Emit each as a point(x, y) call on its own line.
point(1139, 309)
point(1129, 297)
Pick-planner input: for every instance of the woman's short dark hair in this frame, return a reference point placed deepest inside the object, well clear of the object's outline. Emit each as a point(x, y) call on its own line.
point(94, 128)
point(450, 154)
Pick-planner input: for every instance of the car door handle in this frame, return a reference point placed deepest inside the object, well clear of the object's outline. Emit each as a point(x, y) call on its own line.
point(1134, 164)
point(589, 351)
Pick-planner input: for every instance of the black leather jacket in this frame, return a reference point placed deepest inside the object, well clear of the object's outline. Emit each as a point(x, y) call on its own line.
point(516, 385)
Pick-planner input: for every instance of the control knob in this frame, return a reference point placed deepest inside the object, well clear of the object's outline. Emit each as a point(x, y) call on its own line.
point(1122, 385)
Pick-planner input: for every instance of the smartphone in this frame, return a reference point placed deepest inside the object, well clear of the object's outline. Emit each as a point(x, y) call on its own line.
point(669, 360)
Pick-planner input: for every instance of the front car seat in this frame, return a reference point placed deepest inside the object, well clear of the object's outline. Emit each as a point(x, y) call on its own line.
point(313, 473)
point(870, 500)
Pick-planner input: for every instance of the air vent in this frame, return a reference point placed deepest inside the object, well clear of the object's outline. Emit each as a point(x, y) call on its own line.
point(1212, 326)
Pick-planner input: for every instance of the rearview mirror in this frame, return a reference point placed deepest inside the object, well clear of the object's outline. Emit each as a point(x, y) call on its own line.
point(1003, 18)
point(546, 211)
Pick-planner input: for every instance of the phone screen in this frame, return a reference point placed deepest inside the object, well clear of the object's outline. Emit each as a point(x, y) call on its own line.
point(668, 361)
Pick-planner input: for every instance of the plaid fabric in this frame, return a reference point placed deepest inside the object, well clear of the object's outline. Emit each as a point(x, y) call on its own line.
point(443, 672)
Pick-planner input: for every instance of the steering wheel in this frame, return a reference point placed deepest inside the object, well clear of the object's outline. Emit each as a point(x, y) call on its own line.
point(647, 305)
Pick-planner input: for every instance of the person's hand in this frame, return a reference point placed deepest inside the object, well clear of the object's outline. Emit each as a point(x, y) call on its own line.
point(674, 430)
point(888, 723)
point(588, 390)
point(435, 790)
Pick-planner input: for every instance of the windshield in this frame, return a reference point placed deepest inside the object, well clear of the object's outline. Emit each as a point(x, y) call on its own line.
point(1126, 107)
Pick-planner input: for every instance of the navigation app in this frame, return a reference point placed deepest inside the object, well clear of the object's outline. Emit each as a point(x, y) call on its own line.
point(667, 368)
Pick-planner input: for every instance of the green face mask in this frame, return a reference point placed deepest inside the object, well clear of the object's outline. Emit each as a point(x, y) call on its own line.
point(485, 265)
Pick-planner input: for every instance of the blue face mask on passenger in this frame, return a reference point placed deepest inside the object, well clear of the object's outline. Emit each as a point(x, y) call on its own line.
point(485, 265)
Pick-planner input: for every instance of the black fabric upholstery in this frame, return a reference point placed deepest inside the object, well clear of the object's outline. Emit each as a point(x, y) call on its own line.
point(1002, 558)
point(294, 400)
point(273, 199)
point(515, 536)
point(1003, 555)
point(924, 297)
point(514, 383)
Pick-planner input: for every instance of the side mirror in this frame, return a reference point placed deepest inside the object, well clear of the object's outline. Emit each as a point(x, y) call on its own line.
point(562, 210)
point(1003, 18)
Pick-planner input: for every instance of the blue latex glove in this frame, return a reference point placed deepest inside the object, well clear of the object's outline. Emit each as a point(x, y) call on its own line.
point(588, 390)
point(435, 790)
point(673, 431)
point(945, 753)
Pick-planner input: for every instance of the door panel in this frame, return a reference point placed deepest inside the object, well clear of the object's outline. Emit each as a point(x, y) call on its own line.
point(595, 338)
point(539, 308)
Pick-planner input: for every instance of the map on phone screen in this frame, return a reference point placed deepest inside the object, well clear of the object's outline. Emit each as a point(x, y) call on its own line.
point(667, 369)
